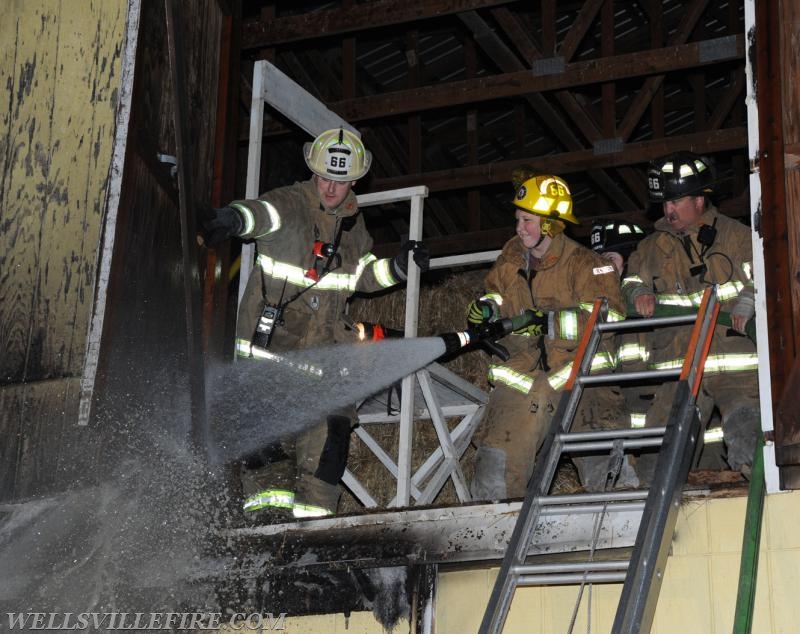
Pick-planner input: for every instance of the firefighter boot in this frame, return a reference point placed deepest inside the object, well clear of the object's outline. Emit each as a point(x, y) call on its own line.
point(489, 481)
point(268, 492)
point(740, 429)
point(604, 473)
point(318, 491)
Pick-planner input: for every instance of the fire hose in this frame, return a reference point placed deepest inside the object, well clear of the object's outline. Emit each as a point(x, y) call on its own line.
point(487, 333)
point(484, 334)
point(723, 319)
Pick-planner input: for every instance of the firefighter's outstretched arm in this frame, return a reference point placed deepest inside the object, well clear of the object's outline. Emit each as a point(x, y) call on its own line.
point(219, 224)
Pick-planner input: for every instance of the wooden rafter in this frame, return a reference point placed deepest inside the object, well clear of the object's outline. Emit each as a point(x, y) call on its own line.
point(658, 61)
point(569, 162)
point(579, 115)
point(316, 24)
point(652, 84)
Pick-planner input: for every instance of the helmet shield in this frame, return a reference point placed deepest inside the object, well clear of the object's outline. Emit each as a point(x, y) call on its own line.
point(680, 174)
point(338, 155)
point(612, 235)
point(546, 196)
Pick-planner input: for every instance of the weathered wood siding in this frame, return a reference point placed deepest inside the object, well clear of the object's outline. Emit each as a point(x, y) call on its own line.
point(143, 375)
point(787, 419)
point(60, 67)
point(61, 64)
point(60, 70)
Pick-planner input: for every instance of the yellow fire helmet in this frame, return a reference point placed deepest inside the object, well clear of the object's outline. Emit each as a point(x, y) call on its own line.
point(546, 196)
point(338, 155)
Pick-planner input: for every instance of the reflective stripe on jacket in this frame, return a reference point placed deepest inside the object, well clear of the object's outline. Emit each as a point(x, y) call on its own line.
point(661, 266)
point(565, 282)
point(285, 223)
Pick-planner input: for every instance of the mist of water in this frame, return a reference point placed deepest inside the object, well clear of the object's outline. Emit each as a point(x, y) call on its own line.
point(143, 538)
point(255, 402)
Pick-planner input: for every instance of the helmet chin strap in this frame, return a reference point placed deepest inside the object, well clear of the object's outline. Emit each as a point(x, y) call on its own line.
point(538, 249)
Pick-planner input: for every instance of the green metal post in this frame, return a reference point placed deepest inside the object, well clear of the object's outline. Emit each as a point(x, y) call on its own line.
point(748, 569)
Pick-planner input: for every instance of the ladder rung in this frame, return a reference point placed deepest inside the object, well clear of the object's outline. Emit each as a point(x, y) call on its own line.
point(648, 322)
point(571, 578)
point(598, 507)
point(604, 439)
point(588, 498)
point(621, 377)
point(571, 566)
point(606, 434)
point(600, 445)
point(587, 503)
point(590, 571)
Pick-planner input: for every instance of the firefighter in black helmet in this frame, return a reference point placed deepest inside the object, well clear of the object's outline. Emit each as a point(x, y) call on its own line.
point(693, 245)
point(615, 240)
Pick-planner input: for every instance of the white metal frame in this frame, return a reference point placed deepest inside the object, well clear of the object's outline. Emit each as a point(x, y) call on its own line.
point(439, 387)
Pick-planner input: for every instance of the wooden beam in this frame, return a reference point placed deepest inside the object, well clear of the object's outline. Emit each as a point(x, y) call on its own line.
point(317, 24)
point(579, 28)
point(727, 102)
point(430, 534)
point(549, 26)
point(569, 162)
point(577, 113)
point(608, 89)
point(414, 121)
point(473, 196)
point(653, 84)
point(775, 222)
point(604, 69)
point(506, 61)
point(348, 61)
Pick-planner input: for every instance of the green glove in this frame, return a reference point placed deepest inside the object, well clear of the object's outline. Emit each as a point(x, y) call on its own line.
point(481, 310)
point(537, 326)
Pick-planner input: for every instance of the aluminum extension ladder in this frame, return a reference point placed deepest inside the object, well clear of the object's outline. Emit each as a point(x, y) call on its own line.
point(643, 572)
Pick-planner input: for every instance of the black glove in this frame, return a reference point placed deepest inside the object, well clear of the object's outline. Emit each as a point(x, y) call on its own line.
point(219, 224)
point(399, 263)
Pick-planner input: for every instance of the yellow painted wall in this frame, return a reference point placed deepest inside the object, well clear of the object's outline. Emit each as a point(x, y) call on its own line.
point(60, 74)
point(356, 623)
point(60, 84)
point(698, 595)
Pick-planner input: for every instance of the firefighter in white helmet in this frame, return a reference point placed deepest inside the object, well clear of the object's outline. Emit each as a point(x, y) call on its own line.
point(694, 246)
point(541, 269)
point(313, 253)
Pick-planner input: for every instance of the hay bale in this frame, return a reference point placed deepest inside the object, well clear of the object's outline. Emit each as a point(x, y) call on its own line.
point(442, 308)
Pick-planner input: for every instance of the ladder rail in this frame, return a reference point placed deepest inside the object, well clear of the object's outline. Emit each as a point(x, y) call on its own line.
point(640, 591)
point(679, 439)
point(543, 473)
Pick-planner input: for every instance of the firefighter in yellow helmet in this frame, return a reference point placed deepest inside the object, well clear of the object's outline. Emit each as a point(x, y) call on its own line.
point(693, 246)
point(542, 269)
point(313, 252)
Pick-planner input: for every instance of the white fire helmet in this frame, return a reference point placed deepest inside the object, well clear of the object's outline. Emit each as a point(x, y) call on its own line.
point(338, 155)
